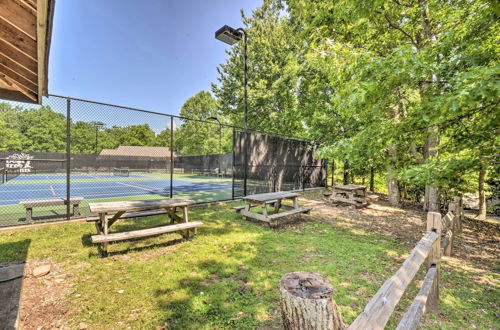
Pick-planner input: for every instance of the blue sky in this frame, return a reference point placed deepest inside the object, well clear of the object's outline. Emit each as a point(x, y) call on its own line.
point(149, 54)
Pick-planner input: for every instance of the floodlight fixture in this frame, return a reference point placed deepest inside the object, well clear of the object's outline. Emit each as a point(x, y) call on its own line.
point(228, 35)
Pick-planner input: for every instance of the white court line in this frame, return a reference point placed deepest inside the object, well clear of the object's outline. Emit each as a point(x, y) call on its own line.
point(77, 188)
point(152, 189)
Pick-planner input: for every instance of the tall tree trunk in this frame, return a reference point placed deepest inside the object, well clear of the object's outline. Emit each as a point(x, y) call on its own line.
point(346, 173)
point(372, 179)
point(392, 182)
point(431, 199)
point(392, 185)
point(482, 198)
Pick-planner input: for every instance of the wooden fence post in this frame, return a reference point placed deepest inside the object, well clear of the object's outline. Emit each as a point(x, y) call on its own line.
point(434, 223)
point(452, 208)
point(306, 303)
point(460, 212)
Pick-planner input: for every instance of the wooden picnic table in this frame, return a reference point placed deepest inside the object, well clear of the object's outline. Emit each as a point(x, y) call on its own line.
point(119, 209)
point(354, 194)
point(271, 199)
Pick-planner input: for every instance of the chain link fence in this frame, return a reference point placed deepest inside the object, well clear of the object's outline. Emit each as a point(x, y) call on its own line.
point(83, 151)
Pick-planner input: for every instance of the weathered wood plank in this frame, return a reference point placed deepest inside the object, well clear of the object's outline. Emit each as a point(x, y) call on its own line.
point(19, 88)
point(260, 198)
point(43, 37)
point(349, 187)
point(18, 79)
point(16, 13)
point(447, 221)
point(253, 215)
point(435, 224)
point(26, 60)
point(241, 207)
point(346, 200)
point(131, 215)
point(17, 38)
point(290, 212)
point(50, 202)
point(144, 232)
point(17, 67)
point(447, 244)
point(379, 309)
point(142, 205)
point(412, 317)
point(173, 215)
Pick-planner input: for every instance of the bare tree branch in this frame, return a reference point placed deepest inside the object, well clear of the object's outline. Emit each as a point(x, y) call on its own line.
point(397, 27)
point(409, 5)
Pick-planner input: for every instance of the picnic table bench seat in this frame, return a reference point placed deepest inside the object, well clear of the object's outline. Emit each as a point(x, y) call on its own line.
point(144, 232)
point(30, 204)
point(274, 199)
point(134, 209)
point(241, 207)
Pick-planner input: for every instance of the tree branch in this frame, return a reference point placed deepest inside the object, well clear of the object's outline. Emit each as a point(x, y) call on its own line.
point(403, 4)
point(397, 27)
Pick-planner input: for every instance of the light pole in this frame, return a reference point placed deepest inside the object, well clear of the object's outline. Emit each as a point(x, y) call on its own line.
point(220, 132)
point(231, 36)
point(98, 125)
point(220, 139)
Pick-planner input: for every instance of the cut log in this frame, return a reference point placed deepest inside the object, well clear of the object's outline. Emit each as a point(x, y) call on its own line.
point(306, 303)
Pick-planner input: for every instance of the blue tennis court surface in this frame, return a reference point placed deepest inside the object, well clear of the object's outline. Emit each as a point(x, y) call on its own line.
point(136, 185)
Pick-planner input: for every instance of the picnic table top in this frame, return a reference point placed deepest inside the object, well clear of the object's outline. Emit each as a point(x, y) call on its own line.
point(270, 196)
point(350, 187)
point(141, 205)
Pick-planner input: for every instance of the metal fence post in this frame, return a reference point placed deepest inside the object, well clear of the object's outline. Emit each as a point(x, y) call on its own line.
point(171, 155)
point(333, 172)
point(326, 170)
point(246, 164)
point(234, 167)
point(68, 158)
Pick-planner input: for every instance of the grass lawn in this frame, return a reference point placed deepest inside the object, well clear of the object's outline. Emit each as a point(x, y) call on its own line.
point(227, 276)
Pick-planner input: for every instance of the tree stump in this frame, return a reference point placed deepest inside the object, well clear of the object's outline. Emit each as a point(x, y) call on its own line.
point(306, 303)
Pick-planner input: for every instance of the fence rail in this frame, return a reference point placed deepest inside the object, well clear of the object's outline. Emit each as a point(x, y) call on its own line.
point(437, 241)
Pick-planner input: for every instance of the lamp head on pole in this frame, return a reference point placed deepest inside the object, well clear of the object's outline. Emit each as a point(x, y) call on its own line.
point(228, 35)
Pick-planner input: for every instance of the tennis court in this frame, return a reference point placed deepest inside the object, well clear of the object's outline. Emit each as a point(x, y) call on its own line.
point(103, 186)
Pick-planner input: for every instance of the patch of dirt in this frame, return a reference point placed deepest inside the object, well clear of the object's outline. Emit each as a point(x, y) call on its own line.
point(479, 242)
point(43, 299)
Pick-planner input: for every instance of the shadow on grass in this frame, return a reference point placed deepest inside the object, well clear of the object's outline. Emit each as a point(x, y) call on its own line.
point(11, 283)
point(235, 291)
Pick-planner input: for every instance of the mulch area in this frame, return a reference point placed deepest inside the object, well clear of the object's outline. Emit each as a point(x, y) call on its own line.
point(479, 241)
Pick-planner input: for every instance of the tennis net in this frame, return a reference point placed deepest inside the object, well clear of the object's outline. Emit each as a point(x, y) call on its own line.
point(121, 171)
point(12, 173)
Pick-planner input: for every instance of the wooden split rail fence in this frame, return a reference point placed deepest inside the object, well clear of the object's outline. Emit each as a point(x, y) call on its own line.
point(306, 298)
